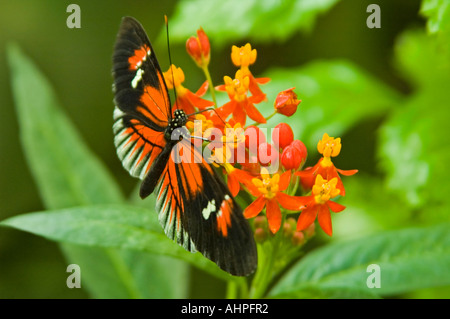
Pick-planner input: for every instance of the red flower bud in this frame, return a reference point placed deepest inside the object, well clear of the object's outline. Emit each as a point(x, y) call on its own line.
point(260, 235)
point(291, 158)
point(302, 148)
point(260, 222)
point(294, 155)
point(267, 154)
point(298, 238)
point(310, 230)
point(286, 102)
point(287, 229)
point(284, 137)
point(198, 48)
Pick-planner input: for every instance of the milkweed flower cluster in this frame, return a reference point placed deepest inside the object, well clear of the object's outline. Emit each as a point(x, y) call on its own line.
point(284, 196)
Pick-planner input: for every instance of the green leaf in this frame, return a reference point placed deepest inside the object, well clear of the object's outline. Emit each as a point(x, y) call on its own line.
point(328, 293)
point(438, 24)
point(335, 96)
point(422, 60)
point(409, 259)
point(414, 147)
point(364, 214)
point(231, 20)
point(110, 226)
point(68, 174)
point(117, 274)
point(438, 14)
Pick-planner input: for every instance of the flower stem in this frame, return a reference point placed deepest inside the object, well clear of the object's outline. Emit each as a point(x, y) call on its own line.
point(231, 290)
point(237, 288)
point(271, 115)
point(211, 86)
point(265, 274)
point(267, 119)
point(296, 182)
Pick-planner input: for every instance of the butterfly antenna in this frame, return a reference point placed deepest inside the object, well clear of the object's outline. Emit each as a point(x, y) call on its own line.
point(199, 112)
point(205, 110)
point(218, 115)
point(166, 21)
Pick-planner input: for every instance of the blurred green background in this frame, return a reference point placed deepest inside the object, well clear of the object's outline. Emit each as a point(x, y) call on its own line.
point(78, 64)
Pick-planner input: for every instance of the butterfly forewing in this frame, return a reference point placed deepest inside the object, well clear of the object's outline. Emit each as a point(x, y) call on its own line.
point(142, 103)
point(138, 81)
point(195, 208)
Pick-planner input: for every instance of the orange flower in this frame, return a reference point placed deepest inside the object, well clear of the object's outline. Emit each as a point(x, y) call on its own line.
point(328, 147)
point(199, 48)
point(213, 116)
point(240, 105)
point(243, 57)
point(271, 196)
point(224, 154)
point(186, 100)
point(318, 204)
point(286, 102)
point(199, 125)
point(233, 143)
point(236, 177)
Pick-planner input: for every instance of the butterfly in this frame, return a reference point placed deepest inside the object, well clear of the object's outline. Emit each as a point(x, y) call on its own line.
point(194, 206)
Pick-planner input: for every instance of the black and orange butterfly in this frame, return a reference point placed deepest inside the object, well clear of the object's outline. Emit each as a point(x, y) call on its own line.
point(195, 207)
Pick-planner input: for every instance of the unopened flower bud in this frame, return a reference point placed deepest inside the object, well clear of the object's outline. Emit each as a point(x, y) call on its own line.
point(198, 48)
point(286, 102)
point(294, 155)
point(310, 230)
point(282, 135)
point(260, 235)
point(298, 238)
point(287, 229)
point(260, 221)
point(290, 158)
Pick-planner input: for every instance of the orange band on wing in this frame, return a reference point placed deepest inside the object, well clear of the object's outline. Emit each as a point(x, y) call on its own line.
point(155, 106)
point(224, 216)
point(139, 56)
point(145, 140)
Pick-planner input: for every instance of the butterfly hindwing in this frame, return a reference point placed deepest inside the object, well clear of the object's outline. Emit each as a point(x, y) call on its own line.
point(222, 232)
point(202, 215)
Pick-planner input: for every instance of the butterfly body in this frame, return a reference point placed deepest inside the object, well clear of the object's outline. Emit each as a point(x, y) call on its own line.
point(176, 130)
point(195, 207)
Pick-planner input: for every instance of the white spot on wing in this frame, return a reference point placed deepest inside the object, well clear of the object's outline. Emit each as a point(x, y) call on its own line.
point(209, 209)
point(137, 78)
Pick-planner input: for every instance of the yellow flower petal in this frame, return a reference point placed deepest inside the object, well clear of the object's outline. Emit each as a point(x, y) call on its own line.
point(329, 146)
point(324, 190)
